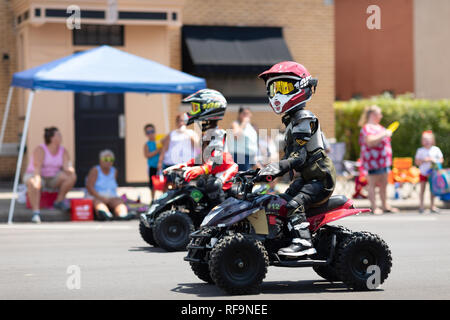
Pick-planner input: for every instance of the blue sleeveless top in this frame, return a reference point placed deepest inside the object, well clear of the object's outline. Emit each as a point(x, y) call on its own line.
point(153, 161)
point(106, 185)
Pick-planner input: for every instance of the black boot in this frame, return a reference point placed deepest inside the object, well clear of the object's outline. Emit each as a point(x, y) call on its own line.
point(301, 238)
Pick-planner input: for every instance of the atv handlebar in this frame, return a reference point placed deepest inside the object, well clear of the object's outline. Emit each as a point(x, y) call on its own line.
point(247, 180)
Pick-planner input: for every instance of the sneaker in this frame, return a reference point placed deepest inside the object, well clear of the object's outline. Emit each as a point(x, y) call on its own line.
point(130, 216)
point(103, 215)
point(434, 210)
point(61, 205)
point(298, 248)
point(36, 218)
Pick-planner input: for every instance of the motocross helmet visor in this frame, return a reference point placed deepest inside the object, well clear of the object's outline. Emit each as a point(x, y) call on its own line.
point(283, 86)
point(195, 108)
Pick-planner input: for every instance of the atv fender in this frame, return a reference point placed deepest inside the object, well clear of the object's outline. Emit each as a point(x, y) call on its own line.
point(256, 216)
point(157, 208)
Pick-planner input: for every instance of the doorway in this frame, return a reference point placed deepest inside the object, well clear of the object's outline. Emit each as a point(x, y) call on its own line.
point(99, 125)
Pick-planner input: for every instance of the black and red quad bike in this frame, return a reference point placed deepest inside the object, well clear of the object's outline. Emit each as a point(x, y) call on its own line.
point(240, 238)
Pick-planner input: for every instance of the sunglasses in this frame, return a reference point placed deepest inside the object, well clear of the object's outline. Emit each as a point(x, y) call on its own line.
point(108, 159)
point(150, 131)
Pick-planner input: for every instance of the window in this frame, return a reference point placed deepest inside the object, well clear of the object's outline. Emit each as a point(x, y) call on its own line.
point(90, 35)
point(230, 58)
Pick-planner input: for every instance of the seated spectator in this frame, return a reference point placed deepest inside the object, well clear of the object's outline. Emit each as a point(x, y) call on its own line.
point(49, 167)
point(101, 185)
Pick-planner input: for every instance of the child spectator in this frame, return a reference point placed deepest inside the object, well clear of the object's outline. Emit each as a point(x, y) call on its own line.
point(425, 157)
point(151, 152)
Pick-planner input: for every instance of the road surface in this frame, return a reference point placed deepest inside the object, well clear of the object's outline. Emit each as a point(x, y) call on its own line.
point(113, 262)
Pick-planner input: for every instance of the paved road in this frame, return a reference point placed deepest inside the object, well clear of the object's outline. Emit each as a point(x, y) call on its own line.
point(116, 264)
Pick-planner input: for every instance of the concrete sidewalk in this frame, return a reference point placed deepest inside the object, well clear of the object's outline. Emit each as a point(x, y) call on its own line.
point(22, 214)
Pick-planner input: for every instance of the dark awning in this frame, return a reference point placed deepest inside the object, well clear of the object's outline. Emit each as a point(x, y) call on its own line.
point(232, 49)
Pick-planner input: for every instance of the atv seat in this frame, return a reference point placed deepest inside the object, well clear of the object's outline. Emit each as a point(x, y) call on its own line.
point(332, 203)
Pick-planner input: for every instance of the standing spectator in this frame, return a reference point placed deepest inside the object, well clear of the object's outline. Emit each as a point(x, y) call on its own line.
point(376, 155)
point(49, 167)
point(178, 146)
point(244, 143)
point(101, 185)
point(151, 152)
point(267, 152)
point(425, 157)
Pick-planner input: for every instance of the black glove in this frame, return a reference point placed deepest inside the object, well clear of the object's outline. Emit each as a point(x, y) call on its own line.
point(260, 178)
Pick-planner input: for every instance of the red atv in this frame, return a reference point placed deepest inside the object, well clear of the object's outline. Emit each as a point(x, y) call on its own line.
point(240, 238)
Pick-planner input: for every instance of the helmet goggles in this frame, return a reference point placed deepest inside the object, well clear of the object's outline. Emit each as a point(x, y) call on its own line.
point(283, 86)
point(195, 108)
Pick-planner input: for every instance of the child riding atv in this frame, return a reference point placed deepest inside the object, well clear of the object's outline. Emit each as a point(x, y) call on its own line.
point(289, 86)
point(177, 213)
point(208, 107)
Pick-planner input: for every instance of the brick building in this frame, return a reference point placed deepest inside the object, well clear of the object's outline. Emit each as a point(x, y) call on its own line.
point(34, 32)
point(408, 53)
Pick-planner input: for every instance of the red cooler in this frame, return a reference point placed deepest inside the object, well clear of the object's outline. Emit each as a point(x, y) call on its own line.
point(47, 200)
point(82, 210)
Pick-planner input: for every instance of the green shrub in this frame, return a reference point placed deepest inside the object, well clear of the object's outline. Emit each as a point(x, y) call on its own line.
point(414, 115)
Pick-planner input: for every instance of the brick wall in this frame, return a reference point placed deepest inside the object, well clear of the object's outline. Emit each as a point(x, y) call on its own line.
point(308, 28)
point(7, 68)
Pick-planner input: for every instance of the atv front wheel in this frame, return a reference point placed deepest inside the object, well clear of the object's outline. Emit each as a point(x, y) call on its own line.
point(147, 234)
point(238, 264)
point(364, 261)
point(201, 269)
point(172, 229)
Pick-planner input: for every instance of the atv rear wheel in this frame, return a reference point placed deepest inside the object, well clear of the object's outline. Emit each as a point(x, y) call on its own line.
point(359, 252)
point(147, 234)
point(172, 230)
point(322, 243)
point(238, 264)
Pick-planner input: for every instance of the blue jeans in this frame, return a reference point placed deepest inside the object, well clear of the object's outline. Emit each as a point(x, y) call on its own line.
point(248, 163)
point(379, 171)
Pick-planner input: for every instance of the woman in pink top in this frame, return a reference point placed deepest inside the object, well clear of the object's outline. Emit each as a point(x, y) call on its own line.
point(49, 167)
point(376, 155)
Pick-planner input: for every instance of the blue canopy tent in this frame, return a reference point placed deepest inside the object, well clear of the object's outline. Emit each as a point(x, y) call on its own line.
point(103, 69)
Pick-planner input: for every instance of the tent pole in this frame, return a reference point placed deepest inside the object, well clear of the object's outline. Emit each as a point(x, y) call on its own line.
point(166, 113)
point(19, 160)
point(5, 116)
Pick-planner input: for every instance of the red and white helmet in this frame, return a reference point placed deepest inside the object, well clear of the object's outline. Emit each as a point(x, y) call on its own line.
point(288, 85)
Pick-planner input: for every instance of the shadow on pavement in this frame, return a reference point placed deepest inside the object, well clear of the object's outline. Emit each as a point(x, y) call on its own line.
point(268, 287)
point(147, 249)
